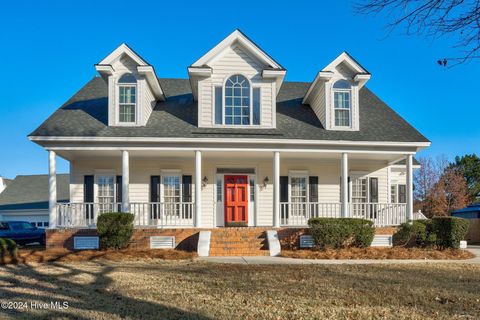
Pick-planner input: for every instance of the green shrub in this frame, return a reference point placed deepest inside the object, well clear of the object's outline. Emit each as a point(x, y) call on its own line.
point(115, 229)
point(449, 231)
point(8, 249)
point(341, 232)
point(418, 233)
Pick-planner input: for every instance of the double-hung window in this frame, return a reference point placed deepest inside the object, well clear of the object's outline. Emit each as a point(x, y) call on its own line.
point(127, 99)
point(359, 196)
point(342, 103)
point(106, 193)
point(298, 194)
point(171, 194)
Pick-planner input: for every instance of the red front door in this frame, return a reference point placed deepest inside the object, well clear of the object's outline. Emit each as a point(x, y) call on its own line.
point(236, 200)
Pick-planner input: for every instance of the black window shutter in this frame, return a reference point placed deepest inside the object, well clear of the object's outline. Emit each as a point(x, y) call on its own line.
point(284, 189)
point(313, 188)
point(155, 189)
point(88, 196)
point(402, 193)
point(187, 188)
point(118, 182)
point(374, 190)
point(118, 196)
point(88, 189)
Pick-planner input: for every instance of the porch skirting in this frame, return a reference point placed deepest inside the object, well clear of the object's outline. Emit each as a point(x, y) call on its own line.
point(185, 238)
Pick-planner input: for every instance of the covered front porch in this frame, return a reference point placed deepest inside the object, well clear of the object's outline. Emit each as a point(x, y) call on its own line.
point(208, 188)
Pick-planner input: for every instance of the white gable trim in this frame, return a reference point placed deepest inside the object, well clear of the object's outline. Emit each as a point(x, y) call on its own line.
point(104, 67)
point(237, 37)
point(345, 57)
point(123, 49)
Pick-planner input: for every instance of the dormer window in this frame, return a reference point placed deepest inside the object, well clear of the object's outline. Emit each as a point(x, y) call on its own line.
point(342, 103)
point(240, 105)
point(237, 100)
point(127, 99)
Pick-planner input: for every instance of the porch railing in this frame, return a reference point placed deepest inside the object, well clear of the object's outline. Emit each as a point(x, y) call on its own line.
point(382, 214)
point(151, 214)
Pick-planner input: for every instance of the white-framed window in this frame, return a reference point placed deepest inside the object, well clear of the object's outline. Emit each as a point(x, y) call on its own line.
point(342, 103)
point(298, 193)
point(398, 193)
point(172, 193)
point(393, 193)
point(237, 103)
point(237, 100)
point(105, 193)
point(127, 99)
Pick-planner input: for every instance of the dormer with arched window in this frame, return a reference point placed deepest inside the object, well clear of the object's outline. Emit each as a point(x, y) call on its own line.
point(236, 85)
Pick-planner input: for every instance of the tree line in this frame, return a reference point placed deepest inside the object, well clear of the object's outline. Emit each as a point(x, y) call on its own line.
point(441, 187)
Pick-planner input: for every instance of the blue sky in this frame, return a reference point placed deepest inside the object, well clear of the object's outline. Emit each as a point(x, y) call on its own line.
point(49, 48)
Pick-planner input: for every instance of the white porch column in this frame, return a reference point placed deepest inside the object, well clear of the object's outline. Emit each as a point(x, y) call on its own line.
point(409, 187)
point(344, 185)
point(276, 189)
point(198, 188)
point(125, 181)
point(52, 189)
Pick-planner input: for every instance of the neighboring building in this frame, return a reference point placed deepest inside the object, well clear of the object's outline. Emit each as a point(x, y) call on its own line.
point(470, 212)
point(4, 183)
point(232, 145)
point(26, 198)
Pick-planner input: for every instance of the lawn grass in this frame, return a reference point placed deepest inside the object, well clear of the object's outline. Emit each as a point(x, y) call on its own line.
point(157, 289)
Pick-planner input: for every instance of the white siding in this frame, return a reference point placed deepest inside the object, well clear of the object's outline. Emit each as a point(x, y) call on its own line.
point(318, 103)
point(328, 173)
point(236, 61)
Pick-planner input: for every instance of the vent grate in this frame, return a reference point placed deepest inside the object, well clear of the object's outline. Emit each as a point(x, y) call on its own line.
point(162, 242)
point(85, 243)
point(306, 241)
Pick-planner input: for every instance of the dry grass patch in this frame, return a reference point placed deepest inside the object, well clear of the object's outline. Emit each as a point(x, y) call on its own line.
point(160, 289)
point(63, 255)
point(380, 253)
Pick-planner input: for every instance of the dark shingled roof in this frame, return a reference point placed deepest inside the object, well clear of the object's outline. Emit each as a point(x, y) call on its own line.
point(31, 192)
point(85, 114)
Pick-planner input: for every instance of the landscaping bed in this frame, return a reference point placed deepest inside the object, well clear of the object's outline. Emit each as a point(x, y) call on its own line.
point(380, 253)
point(64, 255)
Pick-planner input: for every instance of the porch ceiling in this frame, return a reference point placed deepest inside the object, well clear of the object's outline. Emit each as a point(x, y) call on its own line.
point(237, 155)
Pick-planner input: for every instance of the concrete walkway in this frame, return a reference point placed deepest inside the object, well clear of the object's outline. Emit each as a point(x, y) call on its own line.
point(280, 260)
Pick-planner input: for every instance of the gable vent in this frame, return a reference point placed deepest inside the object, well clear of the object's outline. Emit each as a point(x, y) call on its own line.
point(306, 241)
point(162, 242)
point(85, 243)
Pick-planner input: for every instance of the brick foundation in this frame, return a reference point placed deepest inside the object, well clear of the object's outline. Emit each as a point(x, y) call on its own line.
point(224, 241)
point(186, 239)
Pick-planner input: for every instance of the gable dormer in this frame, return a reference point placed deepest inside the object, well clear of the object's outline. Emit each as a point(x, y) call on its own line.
point(133, 87)
point(236, 85)
point(334, 93)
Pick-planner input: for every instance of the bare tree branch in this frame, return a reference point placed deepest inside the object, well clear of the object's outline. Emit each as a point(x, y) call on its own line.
point(459, 19)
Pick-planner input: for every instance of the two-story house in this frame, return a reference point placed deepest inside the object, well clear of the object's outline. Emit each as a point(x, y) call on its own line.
point(233, 145)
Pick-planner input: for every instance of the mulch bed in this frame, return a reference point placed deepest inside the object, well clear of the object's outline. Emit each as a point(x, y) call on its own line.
point(380, 253)
point(63, 255)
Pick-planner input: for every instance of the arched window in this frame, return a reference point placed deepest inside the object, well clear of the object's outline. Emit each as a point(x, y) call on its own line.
point(237, 101)
point(127, 98)
point(342, 103)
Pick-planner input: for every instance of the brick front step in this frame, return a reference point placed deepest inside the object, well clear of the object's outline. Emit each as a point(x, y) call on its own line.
point(239, 242)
